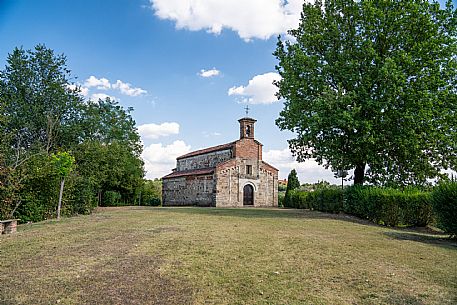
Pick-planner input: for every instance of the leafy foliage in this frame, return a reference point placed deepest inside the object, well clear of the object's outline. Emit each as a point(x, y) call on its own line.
point(63, 163)
point(445, 206)
point(151, 192)
point(292, 180)
point(292, 183)
point(324, 199)
point(372, 86)
point(49, 130)
point(381, 205)
point(389, 206)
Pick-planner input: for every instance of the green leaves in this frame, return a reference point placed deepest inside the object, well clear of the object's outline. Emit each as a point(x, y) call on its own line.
point(292, 184)
point(444, 200)
point(42, 120)
point(372, 83)
point(63, 163)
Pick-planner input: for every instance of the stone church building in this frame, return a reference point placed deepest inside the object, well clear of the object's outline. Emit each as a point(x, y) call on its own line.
point(228, 175)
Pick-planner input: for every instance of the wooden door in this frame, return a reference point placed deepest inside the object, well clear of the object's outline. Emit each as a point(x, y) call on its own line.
point(248, 195)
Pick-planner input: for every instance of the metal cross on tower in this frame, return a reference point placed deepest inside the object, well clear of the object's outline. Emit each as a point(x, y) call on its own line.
point(247, 110)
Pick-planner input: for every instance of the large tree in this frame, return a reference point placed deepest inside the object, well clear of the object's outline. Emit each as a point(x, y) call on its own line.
point(372, 86)
point(37, 116)
point(40, 115)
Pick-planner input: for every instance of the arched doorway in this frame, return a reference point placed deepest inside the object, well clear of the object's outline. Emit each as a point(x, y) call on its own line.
point(248, 195)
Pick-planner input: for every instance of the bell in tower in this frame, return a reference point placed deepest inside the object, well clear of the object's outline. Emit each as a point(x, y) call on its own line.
point(247, 128)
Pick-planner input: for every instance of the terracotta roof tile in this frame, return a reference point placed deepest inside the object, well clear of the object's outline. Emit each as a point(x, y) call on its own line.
point(204, 171)
point(207, 150)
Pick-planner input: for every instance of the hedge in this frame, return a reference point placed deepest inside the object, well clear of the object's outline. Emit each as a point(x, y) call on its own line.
point(389, 206)
point(381, 205)
point(444, 199)
point(325, 200)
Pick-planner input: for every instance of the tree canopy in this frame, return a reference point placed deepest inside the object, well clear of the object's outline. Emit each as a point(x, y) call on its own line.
point(372, 86)
point(42, 116)
point(292, 180)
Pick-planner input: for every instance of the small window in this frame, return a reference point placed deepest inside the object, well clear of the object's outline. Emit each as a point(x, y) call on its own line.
point(248, 130)
point(248, 169)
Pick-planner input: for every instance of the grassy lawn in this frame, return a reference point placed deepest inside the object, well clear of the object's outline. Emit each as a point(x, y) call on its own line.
point(223, 256)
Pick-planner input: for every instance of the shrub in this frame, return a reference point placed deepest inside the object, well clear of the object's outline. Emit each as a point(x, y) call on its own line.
point(384, 206)
point(417, 209)
point(155, 202)
point(444, 198)
point(389, 206)
point(327, 200)
point(111, 198)
point(281, 196)
point(299, 199)
point(292, 184)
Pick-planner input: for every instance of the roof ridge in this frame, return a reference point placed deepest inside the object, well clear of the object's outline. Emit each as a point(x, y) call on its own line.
point(198, 171)
point(206, 150)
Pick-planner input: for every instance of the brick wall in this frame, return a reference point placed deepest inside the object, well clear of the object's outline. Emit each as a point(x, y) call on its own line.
point(248, 149)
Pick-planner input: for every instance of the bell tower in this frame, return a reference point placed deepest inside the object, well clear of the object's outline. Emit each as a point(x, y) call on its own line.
point(247, 128)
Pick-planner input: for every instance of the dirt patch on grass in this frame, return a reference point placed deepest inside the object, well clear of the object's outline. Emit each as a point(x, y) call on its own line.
point(89, 264)
point(130, 280)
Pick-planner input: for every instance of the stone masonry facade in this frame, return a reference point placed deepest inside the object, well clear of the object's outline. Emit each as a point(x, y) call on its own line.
point(228, 175)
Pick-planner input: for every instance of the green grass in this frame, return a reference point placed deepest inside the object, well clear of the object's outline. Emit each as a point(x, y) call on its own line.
point(224, 256)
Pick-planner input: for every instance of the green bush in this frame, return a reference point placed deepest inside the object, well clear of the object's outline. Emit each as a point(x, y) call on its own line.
point(155, 202)
point(111, 198)
point(327, 200)
point(299, 199)
point(292, 184)
point(281, 196)
point(444, 198)
point(417, 209)
point(389, 206)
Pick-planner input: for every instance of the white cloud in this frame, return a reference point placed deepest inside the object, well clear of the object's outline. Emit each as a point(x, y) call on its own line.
point(250, 19)
point(100, 83)
point(207, 134)
point(154, 131)
point(102, 96)
point(126, 89)
point(83, 90)
point(308, 172)
point(209, 73)
point(260, 89)
point(160, 159)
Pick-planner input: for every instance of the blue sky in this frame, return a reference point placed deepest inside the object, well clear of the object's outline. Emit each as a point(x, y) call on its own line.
point(187, 70)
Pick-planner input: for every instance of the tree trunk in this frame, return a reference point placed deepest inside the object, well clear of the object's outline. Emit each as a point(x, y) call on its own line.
point(359, 174)
point(60, 198)
point(18, 203)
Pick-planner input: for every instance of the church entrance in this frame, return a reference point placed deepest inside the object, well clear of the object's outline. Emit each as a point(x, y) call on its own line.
point(248, 195)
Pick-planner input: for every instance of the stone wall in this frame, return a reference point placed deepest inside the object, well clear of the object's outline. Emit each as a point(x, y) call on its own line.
point(189, 190)
point(227, 177)
point(203, 161)
point(235, 165)
point(231, 178)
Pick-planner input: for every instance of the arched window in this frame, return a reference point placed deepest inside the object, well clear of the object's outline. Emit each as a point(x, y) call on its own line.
point(248, 130)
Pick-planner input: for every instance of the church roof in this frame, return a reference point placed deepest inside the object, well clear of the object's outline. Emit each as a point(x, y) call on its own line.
point(207, 150)
point(196, 172)
point(271, 166)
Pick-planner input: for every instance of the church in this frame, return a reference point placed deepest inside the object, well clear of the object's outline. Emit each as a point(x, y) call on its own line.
point(228, 175)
